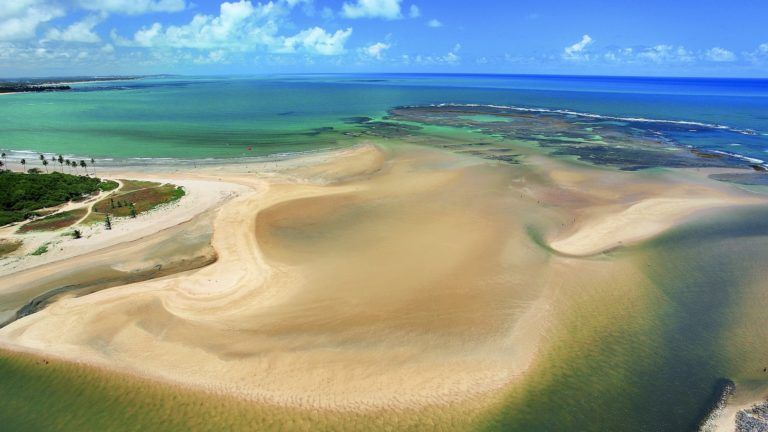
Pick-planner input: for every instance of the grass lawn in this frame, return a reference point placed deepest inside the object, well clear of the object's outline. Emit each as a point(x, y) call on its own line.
point(54, 221)
point(144, 196)
point(132, 185)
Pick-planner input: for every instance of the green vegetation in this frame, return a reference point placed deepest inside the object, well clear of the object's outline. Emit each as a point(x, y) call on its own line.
point(21, 195)
point(108, 185)
point(137, 201)
point(55, 221)
point(40, 250)
point(132, 185)
point(8, 246)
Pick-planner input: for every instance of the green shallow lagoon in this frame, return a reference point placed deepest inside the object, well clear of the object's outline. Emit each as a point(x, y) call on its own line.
point(653, 360)
point(626, 357)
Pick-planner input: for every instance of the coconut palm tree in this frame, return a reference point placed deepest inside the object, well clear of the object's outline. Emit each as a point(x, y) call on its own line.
point(1, 166)
point(3, 156)
point(85, 166)
point(61, 162)
point(23, 164)
point(45, 164)
point(93, 165)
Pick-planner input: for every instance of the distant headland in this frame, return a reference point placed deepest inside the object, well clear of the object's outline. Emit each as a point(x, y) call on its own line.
point(51, 84)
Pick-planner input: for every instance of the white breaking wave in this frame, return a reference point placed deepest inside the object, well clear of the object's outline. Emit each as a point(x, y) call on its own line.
point(738, 156)
point(601, 116)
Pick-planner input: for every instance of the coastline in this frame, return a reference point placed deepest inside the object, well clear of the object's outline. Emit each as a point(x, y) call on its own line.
point(267, 240)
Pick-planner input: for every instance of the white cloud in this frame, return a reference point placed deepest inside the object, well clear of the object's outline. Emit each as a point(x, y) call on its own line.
point(576, 51)
point(387, 9)
point(241, 27)
point(317, 41)
point(759, 55)
point(414, 11)
point(434, 23)
point(133, 7)
point(237, 26)
point(80, 31)
point(16, 7)
point(452, 58)
point(376, 50)
point(19, 19)
point(718, 54)
point(217, 56)
point(666, 53)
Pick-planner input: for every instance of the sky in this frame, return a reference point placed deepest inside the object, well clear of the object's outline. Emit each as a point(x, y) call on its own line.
point(708, 38)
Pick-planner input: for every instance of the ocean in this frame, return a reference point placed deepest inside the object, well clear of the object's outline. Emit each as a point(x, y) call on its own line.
point(226, 117)
point(631, 356)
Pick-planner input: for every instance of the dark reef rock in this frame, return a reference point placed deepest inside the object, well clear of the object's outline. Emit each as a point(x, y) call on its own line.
point(626, 145)
point(754, 419)
point(23, 88)
point(752, 178)
point(356, 120)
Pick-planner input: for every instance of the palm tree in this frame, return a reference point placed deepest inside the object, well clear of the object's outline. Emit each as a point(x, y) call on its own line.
point(68, 162)
point(45, 164)
point(85, 166)
point(1, 166)
point(61, 162)
point(23, 163)
point(93, 165)
point(3, 156)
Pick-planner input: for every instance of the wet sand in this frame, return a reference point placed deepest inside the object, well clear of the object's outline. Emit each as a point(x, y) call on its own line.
point(370, 278)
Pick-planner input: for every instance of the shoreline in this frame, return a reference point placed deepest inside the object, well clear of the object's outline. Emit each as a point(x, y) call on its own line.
point(278, 236)
point(362, 161)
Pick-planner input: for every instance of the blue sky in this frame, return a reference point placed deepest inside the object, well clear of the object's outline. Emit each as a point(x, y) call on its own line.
point(652, 37)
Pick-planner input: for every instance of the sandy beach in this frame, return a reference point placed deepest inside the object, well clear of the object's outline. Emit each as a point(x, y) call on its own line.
point(367, 278)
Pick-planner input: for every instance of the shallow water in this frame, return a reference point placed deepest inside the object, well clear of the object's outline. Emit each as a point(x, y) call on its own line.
point(648, 356)
point(201, 117)
point(646, 332)
point(632, 354)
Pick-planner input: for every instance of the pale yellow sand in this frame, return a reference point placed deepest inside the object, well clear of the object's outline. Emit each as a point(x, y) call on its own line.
point(639, 221)
point(363, 278)
point(357, 294)
point(743, 398)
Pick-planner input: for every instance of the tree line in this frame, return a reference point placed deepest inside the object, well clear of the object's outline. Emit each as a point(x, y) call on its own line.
point(72, 166)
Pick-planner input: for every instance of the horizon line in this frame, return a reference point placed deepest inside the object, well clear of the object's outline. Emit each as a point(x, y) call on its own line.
point(487, 74)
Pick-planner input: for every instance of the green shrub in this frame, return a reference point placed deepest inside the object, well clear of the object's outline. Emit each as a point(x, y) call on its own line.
point(41, 250)
point(22, 194)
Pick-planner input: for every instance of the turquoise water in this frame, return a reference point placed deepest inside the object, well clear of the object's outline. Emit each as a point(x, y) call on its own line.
point(201, 117)
point(653, 365)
